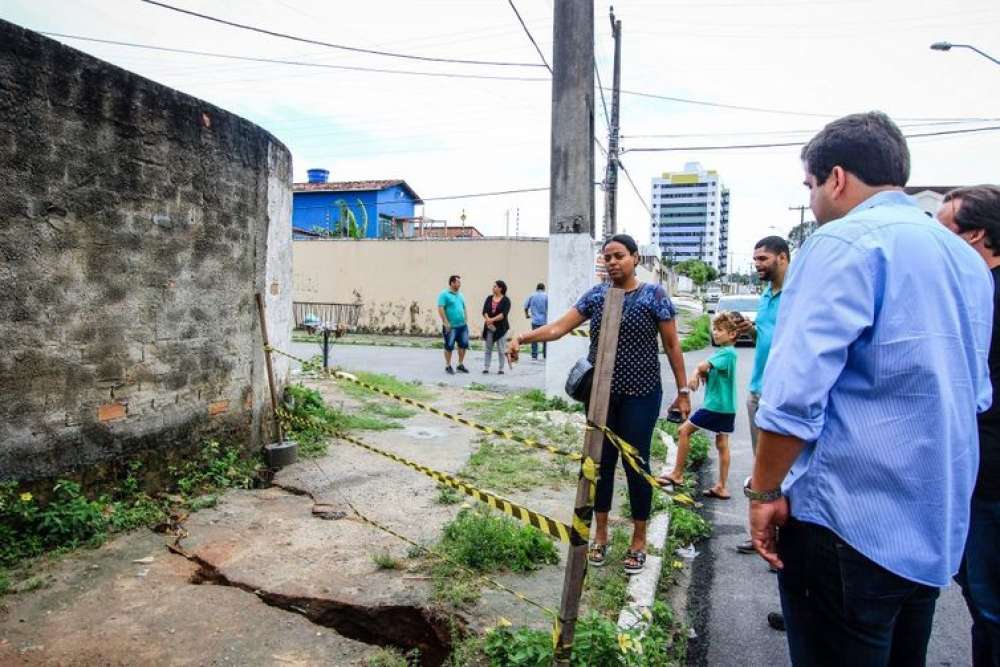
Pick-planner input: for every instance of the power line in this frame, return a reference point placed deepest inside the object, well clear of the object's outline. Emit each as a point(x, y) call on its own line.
point(528, 33)
point(663, 149)
point(773, 132)
point(486, 194)
point(354, 49)
point(635, 188)
point(604, 103)
point(297, 63)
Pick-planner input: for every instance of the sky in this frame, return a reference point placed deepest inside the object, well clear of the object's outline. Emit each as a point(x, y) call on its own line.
point(453, 136)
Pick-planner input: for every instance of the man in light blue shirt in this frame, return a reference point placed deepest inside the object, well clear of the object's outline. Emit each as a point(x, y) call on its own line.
point(536, 308)
point(868, 413)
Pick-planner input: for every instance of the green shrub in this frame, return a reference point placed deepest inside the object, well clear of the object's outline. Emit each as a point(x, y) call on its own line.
point(489, 542)
point(214, 467)
point(686, 526)
point(700, 336)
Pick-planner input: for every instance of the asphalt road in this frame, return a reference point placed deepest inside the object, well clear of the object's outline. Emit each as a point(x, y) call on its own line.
point(731, 593)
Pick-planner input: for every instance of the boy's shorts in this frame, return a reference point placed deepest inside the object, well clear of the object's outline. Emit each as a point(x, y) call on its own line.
point(717, 422)
point(459, 335)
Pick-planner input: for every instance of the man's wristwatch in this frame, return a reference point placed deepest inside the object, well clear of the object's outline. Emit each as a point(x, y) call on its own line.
point(761, 496)
point(684, 390)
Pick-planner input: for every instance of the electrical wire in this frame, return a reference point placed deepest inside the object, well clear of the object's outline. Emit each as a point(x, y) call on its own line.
point(528, 33)
point(635, 189)
point(297, 63)
point(773, 132)
point(486, 194)
point(916, 135)
point(354, 49)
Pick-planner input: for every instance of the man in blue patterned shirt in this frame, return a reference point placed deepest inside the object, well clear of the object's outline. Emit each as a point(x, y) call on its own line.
point(868, 451)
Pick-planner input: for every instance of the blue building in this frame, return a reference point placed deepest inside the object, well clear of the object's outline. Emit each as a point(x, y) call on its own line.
point(379, 208)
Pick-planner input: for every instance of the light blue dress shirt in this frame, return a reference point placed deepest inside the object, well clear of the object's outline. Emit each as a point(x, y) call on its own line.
point(879, 363)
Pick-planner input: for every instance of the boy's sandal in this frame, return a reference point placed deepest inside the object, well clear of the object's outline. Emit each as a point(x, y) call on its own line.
point(634, 561)
point(597, 555)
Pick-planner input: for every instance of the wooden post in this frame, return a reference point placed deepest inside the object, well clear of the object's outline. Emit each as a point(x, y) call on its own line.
point(600, 394)
point(270, 370)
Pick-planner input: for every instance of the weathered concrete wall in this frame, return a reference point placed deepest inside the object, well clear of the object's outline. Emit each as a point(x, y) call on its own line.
point(136, 224)
point(399, 281)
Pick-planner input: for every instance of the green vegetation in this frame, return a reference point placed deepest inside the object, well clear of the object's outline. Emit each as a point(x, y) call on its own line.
point(313, 420)
point(661, 502)
point(598, 641)
point(448, 496)
point(503, 466)
point(687, 526)
point(699, 444)
point(413, 390)
point(485, 542)
point(698, 271)
point(606, 588)
point(700, 336)
point(385, 561)
point(391, 657)
point(68, 519)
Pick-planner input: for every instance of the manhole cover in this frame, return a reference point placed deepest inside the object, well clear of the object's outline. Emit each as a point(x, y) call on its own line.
point(423, 433)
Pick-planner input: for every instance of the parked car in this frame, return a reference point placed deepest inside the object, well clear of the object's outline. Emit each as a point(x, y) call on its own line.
point(744, 304)
point(711, 300)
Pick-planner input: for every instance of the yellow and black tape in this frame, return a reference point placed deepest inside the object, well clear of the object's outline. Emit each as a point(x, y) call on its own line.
point(580, 332)
point(549, 526)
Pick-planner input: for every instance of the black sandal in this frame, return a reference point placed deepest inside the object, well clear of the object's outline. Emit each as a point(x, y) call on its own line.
point(639, 560)
point(597, 555)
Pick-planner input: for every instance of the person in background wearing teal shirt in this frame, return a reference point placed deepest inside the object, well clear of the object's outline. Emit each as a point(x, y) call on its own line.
point(454, 324)
point(718, 411)
point(770, 258)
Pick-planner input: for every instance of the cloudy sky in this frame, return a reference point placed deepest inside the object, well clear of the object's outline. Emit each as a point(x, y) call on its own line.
point(452, 136)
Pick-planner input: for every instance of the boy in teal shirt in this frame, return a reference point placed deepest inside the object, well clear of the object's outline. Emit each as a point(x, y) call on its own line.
point(718, 411)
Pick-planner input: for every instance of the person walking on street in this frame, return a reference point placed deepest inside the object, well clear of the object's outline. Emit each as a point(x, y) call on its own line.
point(867, 453)
point(636, 390)
point(536, 309)
point(974, 215)
point(496, 311)
point(770, 257)
point(454, 323)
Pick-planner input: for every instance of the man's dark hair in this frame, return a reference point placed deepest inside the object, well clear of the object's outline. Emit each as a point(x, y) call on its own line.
point(452, 279)
point(625, 240)
point(979, 208)
point(775, 245)
point(540, 286)
point(868, 145)
point(502, 285)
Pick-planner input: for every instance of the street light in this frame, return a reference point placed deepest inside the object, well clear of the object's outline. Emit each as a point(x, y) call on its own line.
point(948, 46)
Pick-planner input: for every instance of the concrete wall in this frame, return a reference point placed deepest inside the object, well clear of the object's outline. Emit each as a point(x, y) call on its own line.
point(399, 281)
point(136, 224)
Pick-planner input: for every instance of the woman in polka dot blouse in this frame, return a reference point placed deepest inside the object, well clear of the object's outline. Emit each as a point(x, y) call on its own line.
point(636, 391)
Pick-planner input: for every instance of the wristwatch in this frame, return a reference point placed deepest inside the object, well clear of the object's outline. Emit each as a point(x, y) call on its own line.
point(684, 390)
point(761, 496)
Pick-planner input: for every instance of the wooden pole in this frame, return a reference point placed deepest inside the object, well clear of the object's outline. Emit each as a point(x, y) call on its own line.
point(270, 369)
point(600, 394)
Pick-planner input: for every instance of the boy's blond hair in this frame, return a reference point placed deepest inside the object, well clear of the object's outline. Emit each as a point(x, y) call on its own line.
point(728, 320)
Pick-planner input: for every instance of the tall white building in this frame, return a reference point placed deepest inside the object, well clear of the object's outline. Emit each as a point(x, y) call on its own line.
point(691, 216)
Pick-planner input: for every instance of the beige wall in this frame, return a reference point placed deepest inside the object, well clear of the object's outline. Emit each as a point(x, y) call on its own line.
point(399, 281)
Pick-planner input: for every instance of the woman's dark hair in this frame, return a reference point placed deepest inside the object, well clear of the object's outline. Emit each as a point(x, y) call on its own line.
point(502, 285)
point(868, 145)
point(978, 208)
point(625, 240)
point(774, 245)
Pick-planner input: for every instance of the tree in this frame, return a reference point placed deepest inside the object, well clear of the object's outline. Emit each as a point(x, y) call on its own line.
point(698, 271)
point(347, 226)
point(799, 233)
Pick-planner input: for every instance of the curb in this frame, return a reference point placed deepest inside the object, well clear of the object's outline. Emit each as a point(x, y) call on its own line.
point(642, 587)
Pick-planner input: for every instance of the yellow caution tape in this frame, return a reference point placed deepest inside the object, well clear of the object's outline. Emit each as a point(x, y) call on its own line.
point(580, 332)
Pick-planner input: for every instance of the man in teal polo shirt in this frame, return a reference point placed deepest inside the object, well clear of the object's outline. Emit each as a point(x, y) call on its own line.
point(454, 323)
point(770, 258)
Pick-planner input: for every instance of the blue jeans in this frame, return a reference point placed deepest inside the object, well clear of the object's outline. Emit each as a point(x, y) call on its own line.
point(843, 609)
point(979, 577)
point(633, 418)
point(534, 346)
point(459, 335)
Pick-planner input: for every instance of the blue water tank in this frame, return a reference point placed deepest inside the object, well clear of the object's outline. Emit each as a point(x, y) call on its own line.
point(318, 175)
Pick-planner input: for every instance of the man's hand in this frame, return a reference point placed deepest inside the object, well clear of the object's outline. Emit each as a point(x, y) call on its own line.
point(765, 519)
point(513, 349)
point(746, 326)
point(447, 327)
point(682, 403)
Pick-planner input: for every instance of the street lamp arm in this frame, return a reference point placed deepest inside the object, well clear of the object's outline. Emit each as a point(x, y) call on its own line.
point(982, 53)
point(947, 46)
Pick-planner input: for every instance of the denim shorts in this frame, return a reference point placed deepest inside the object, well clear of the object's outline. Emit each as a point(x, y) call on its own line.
point(459, 335)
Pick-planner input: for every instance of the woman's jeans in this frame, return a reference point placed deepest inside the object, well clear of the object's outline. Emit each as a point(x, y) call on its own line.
point(501, 344)
point(842, 608)
point(633, 418)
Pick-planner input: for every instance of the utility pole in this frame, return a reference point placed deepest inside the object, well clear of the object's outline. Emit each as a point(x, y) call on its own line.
point(571, 229)
point(611, 175)
point(517, 222)
point(506, 232)
point(802, 212)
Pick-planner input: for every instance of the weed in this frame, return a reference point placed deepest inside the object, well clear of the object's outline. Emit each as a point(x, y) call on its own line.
point(214, 467)
point(385, 382)
point(505, 466)
point(699, 444)
point(686, 526)
point(390, 657)
point(391, 410)
point(313, 420)
point(447, 495)
point(384, 561)
point(477, 386)
point(4, 582)
point(700, 335)
point(203, 502)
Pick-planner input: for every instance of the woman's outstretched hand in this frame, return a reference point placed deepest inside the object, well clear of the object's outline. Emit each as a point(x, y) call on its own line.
point(513, 350)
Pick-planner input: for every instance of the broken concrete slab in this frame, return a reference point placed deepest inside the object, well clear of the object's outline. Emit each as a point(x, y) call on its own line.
point(97, 610)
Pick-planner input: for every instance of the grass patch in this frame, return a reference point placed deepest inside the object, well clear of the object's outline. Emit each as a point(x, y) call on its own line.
point(687, 526)
point(485, 542)
point(514, 406)
point(447, 496)
point(313, 420)
point(505, 466)
point(606, 588)
point(390, 410)
point(700, 335)
point(391, 657)
point(384, 561)
point(389, 383)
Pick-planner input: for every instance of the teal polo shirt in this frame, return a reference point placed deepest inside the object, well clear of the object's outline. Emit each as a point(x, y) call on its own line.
point(767, 317)
point(454, 307)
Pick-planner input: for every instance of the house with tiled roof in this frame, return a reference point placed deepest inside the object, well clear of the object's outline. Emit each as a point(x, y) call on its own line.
point(318, 206)
point(929, 196)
